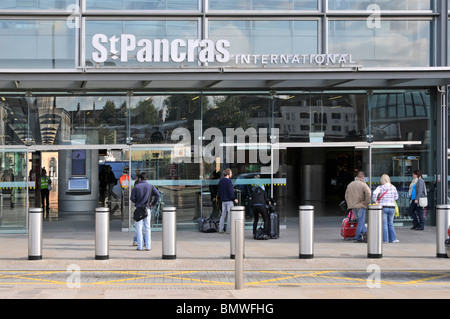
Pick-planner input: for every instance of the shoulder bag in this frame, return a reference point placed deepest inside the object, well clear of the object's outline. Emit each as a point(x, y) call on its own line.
point(423, 201)
point(141, 212)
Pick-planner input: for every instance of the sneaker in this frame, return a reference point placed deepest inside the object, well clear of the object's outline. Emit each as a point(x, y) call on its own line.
point(360, 240)
point(395, 241)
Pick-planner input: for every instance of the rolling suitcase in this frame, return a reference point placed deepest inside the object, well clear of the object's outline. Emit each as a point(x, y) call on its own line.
point(348, 227)
point(274, 221)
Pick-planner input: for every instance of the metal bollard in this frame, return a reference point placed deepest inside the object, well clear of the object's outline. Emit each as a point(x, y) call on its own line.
point(306, 232)
point(35, 220)
point(442, 223)
point(102, 233)
point(239, 258)
point(375, 231)
point(169, 233)
point(237, 213)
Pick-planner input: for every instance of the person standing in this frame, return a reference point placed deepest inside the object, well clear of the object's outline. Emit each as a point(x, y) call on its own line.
point(44, 183)
point(141, 195)
point(385, 195)
point(112, 181)
point(357, 196)
point(226, 194)
point(416, 191)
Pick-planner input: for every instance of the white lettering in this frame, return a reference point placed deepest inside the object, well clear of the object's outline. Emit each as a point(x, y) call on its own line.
point(157, 43)
point(144, 54)
point(175, 54)
point(206, 54)
point(224, 54)
point(102, 54)
point(127, 44)
point(191, 51)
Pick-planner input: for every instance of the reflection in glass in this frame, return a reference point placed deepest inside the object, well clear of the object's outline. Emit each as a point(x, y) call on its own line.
point(255, 38)
point(36, 4)
point(382, 4)
point(338, 117)
point(13, 185)
point(142, 5)
point(36, 44)
point(393, 44)
point(263, 5)
point(401, 116)
point(169, 124)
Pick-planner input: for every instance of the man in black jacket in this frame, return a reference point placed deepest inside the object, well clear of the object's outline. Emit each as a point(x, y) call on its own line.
point(259, 202)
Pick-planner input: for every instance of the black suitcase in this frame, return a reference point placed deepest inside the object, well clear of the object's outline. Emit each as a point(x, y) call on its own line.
point(274, 223)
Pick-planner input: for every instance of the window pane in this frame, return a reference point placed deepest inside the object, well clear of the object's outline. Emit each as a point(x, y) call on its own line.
point(142, 5)
point(382, 4)
point(393, 44)
point(36, 4)
point(36, 44)
point(266, 37)
point(263, 5)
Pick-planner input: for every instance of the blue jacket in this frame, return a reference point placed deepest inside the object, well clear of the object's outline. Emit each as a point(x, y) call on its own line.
point(141, 192)
point(225, 190)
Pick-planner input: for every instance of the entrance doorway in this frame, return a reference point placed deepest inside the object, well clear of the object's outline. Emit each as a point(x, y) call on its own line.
point(318, 176)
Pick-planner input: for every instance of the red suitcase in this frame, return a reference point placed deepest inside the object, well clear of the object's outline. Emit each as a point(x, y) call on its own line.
point(349, 224)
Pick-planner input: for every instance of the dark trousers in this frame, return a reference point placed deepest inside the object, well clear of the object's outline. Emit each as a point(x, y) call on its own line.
point(45, 194)
point(261, 210)
point(416, 213)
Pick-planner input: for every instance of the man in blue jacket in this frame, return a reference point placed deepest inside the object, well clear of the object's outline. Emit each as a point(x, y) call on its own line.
point(141, 195)
point(226, 195)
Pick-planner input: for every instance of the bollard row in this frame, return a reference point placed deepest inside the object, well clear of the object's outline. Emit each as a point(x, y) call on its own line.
point(306, 232)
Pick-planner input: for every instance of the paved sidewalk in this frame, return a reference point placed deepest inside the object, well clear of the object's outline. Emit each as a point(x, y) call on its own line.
point(203, 264)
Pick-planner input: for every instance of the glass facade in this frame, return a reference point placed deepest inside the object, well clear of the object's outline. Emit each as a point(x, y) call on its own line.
point(179, 140)
point(302, 144)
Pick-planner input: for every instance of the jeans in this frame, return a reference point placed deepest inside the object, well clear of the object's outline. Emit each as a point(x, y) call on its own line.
point(388, 225)
point(361, 228)
point(226, 211)
point(143, 232)
point(416, 213)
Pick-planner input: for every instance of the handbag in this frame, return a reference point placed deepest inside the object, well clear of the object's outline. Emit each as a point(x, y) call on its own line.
point(423, 201)
point(259, 233)
point(141, 212)
point(397, 210)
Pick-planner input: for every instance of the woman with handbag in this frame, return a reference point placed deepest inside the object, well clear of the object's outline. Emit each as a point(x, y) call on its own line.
point(385, 195)
point(417, 192)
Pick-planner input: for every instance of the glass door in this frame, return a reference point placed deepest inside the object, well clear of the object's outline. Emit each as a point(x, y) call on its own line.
point(13, 186)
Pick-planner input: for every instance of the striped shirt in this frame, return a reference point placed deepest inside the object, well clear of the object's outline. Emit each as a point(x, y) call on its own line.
point(389, 198)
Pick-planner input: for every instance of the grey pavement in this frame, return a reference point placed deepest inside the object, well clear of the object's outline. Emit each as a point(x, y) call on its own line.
point(203, 268)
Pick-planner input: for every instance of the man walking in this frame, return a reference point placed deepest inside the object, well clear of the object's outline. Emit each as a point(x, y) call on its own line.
point(141, 196)
point(357, 196)
point(226, 194)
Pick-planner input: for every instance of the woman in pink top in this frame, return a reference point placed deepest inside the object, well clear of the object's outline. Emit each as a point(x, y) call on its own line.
point(385, 195)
